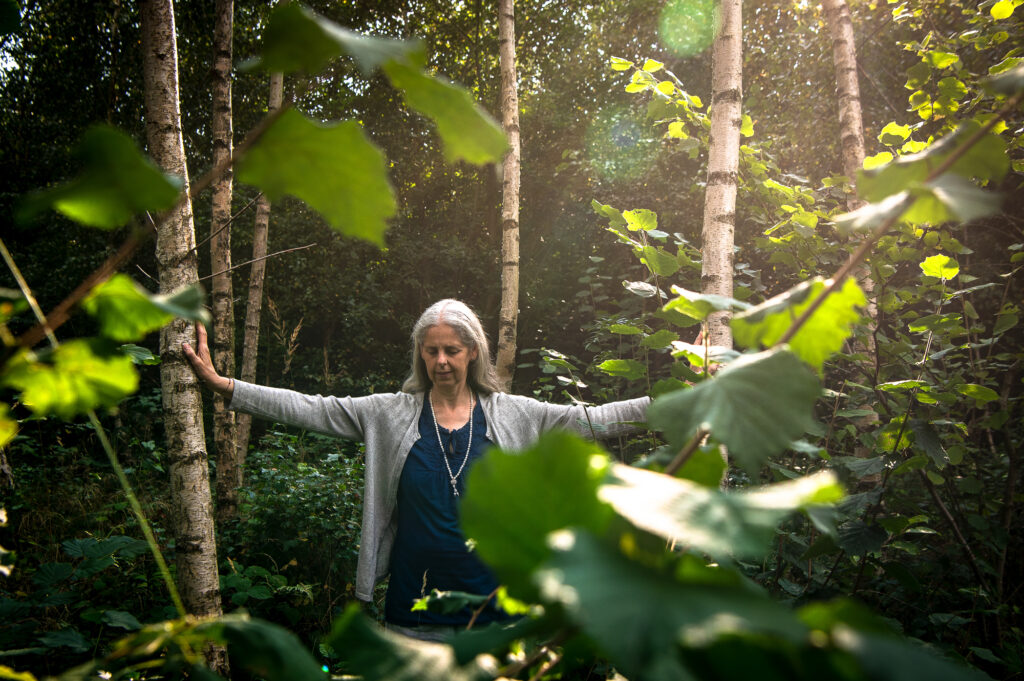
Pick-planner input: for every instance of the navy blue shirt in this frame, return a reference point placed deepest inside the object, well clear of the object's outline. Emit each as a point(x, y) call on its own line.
point(430, 550)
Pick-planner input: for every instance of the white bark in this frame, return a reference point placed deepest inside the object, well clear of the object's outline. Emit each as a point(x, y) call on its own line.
point(505, 360)
point(254, 305)
point(192, 507)
point(723, 165)
point(223, 336)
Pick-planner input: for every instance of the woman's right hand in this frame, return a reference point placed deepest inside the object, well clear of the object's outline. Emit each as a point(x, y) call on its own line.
point(202, 364)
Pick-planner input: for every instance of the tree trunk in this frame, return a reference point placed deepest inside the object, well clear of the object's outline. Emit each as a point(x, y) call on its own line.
point(509, 316)
point(851, 132)
point(254, 305)
point(192, 506)
point(223, 336)
point(723, 165)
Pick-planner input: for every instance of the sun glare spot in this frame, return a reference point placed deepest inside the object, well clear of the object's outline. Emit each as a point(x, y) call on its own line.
point(618, 145)
point(688, 26)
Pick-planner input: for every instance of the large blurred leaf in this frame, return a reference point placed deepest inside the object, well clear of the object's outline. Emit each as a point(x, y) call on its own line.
point(821, 335)
point(756, 406)
point(333, 168)
point(123, 309)
point(513, 501)
point(950, 197)
point(77, 376)
point(377, 655)
point(467, 131)
point(700, 305)
point(263, 649)
point(986, 160)
point(1008, 82)
point(8, 426)
point(721, 524)
point(869, 216)
point(117, 182)
point(298, 39)
point(641, 617)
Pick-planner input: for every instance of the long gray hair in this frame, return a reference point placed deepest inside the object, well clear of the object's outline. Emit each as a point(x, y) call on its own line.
point(456, 314)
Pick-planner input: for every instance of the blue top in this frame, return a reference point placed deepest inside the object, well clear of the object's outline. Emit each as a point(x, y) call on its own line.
point(430, 550)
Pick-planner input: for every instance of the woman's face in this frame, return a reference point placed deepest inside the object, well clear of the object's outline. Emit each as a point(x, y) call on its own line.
point(445, 355)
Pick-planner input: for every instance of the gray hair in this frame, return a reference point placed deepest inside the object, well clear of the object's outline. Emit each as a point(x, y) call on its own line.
point(481, 375)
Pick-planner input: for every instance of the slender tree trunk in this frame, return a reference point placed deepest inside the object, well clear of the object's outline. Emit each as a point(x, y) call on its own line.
point(509, 316)
point(223, 336)
point(851, 126)
point(254, 305)
point(192, 507)
point(723, 165)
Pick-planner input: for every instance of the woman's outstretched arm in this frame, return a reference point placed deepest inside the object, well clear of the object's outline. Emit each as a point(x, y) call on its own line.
point(202, 364)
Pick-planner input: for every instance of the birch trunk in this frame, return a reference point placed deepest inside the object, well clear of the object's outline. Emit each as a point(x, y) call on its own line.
point(851, 131)
point(223, 336)
point(192, 507)
point(509, 316)
point(254, 304)
point(723, 165)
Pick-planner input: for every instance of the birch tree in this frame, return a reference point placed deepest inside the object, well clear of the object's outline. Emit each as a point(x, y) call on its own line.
point(223, 336)
point(254, 304)
point(192, 507)
point(509, 315)
point(718, 233)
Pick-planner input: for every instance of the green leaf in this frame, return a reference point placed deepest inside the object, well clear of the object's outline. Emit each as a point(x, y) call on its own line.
point(333, 168)
point(868, 217)
point(822, 335)
point(940, 266)
point(140, 355)
point(894, 135)
point(613, 215)
point(121, 620)
point(640, 616)
point(370, 653)
point(651, 66)
point(706, 466)
point(699, 305)
point(8, 427)
point(66, 638)
point(629, 369)
point(985, 160)
point(928, 441)
point(297, 39)
point(941, 60)
point(123, 309)
point(979, 393)
point(747, 126)
point(720, 524)
point(659, 339)
point(514, 500)
point(117, 182)
point(1005, 322)
point(625, 329)
point(78, 376)
point(659, 262)
point(467, 131)
point(950, 197)
point(264, 649)
point(1007, 82)
point(640, 219)
point(1002, 9)
point(620, 64)
point(756, 406)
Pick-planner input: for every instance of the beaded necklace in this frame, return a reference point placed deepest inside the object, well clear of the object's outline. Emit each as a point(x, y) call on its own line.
point(453, 477)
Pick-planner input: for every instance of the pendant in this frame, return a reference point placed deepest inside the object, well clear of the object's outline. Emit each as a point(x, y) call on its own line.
point(455, 488)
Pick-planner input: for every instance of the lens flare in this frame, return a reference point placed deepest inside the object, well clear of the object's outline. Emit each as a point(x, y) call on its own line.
point(619, 146)
point(688, 26)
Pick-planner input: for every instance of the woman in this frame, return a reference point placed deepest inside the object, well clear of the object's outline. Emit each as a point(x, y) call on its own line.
point(420, 444)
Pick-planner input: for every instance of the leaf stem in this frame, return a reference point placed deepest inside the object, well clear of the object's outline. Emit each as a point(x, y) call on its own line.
point(687, 451)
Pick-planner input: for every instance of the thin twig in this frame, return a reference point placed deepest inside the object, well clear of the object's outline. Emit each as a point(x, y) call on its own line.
point(476, 613)
point(546, 667)
point(228, 223)
point(687, 451)
point(249, 262)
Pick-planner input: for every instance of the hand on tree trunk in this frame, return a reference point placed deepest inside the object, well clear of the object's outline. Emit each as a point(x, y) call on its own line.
point(202, 364)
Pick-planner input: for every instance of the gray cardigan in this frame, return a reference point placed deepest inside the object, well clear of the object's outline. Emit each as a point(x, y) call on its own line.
point(387, 422)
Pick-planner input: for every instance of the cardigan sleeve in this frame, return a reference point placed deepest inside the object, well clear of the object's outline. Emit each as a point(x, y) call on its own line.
point(339, 416)
point(525, 415)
